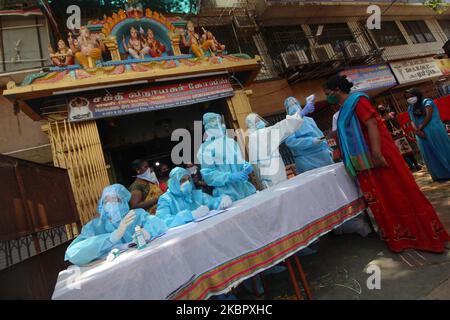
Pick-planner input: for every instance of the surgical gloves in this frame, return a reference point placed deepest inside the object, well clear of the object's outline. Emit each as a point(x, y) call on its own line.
point(117, 235)
point(226, 202)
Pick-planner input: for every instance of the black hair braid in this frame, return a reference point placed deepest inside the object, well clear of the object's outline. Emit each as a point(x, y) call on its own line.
point(339, 82)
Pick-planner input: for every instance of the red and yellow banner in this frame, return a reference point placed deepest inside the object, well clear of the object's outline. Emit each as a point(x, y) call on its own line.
point(149, 98)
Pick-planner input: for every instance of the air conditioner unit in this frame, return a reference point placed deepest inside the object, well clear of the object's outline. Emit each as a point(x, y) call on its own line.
point(323, 53)
point(354, 50)
point(290, 59)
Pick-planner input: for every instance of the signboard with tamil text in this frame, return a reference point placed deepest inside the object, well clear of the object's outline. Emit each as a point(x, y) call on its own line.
point(415, 70)
point(118, 103)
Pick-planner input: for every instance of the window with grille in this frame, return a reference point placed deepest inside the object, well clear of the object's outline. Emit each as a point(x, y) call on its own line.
point(388, 35)
point(23, 43)
point(225, 35)
point(280, 39)
point(336, 34)
point(445, 25)
point(418, 31)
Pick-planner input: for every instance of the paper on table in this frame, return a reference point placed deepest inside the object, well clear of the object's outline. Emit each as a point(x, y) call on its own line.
point(212, 213)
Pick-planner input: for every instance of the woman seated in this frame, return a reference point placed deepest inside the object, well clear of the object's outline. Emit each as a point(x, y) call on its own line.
point(115, 226)
point(152, 47)
point(182, 203)
point(145, 190)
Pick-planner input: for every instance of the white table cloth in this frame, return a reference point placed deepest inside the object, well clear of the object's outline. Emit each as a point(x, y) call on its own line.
point(201, 259)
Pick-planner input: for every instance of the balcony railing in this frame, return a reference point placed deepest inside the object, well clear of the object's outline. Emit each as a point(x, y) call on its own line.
point(299, 55)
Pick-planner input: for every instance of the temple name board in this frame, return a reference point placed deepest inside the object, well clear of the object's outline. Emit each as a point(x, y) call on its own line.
point(119, 103)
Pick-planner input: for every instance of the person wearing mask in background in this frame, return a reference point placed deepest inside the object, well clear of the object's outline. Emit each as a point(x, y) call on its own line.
point(307, 144)
point(197, 178)
point(399, 137)
point(164, 171)
point(145, 190)
point(182, 203)
point(222, 164)
point(114, 227)
point(405, 217)
point(263, 145)
point(432, 137)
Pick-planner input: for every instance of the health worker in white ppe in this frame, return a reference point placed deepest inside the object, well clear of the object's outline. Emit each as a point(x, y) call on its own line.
point(263, 146)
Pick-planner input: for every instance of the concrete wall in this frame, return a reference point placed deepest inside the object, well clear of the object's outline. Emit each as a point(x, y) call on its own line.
point(268, 96)
point(411, 50)
point(22, 137)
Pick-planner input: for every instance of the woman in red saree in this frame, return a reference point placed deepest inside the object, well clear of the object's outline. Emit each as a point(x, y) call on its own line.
point(404, 215)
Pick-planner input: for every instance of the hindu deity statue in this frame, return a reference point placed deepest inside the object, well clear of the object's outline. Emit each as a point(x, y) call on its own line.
point(63, 56)
point(152, 46)
point(209, 42)
point(192, 40)
point(134, 47)
point(87, 48)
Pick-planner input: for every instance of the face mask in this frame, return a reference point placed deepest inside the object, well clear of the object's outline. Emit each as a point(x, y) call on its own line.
point(412, 100)
point(113, 211)
point(293, 107)
point(193, 170)
point(186, 187)
point(260, 125)
point(333, 99)
point(148, 176)
point(216, 132)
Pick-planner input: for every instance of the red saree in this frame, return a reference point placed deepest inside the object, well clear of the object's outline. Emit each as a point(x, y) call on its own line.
point(405, 216)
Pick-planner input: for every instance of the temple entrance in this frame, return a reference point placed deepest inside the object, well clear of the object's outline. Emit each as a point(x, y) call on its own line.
point(148, 136)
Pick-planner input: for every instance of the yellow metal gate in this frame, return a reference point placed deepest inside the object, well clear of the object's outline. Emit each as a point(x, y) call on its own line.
point(77, 148)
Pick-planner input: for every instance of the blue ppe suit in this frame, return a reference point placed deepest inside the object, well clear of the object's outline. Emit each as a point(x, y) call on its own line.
point(308, 154)
point(220, 157)
point(95, 241)
point(175, 208)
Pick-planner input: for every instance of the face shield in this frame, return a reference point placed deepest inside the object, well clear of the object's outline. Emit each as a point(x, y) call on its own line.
point(292, 106)
point(176, 185)
point(214, 124)
point(255, 122)
point(113, 204)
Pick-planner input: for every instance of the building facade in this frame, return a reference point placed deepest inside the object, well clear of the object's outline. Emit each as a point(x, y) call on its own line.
point(24, 37)
point(301, 43)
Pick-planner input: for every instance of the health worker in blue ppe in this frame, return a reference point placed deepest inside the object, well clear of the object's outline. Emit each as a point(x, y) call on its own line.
point(115, 226)
point(182, 203)
point(263, 144)
point(308, 144)
point(222, 164)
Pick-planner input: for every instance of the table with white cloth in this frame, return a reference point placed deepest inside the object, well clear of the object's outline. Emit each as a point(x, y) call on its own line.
point(201, 259)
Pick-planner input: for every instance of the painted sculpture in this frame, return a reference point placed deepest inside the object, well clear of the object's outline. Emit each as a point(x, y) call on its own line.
point(87, 48)
point(210, 42)
point(133, 34)
point(153, 47)
point(63, 56)
point(134, 46)
point(198, 45)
